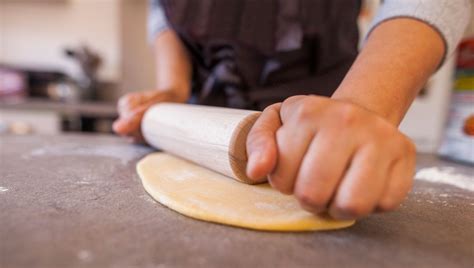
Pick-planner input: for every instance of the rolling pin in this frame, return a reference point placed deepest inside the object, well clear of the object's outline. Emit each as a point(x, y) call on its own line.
point(211, 137)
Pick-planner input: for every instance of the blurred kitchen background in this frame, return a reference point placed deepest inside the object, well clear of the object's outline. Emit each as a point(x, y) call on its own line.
point(64, 63)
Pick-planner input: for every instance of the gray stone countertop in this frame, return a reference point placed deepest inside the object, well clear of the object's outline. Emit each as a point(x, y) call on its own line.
point(76, 201)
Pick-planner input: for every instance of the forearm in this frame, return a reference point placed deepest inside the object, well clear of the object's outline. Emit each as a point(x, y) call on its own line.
point(173, 67)
point(395, 63)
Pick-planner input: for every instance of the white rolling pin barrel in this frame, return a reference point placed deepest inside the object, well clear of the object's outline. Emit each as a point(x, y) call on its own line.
point(211, 137)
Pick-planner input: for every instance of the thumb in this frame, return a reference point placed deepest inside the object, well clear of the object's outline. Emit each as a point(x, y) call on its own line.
point(261, 144)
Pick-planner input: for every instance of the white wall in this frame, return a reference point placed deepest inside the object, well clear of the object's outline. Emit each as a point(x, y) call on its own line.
point(34, 33)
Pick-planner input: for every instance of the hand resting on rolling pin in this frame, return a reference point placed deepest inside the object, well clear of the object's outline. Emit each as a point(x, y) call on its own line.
point(173, 78)
point(131, 108)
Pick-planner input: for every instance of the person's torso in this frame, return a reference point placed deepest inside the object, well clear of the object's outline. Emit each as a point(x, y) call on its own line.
point(250, 53)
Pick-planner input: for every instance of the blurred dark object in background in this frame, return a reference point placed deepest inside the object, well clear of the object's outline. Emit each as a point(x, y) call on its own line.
point(25, 82)
point(48, 101)
point(89, 63)
point(39, 80)
point(53, 84)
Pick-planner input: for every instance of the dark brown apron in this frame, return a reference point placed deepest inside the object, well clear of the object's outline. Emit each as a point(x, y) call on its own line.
point(252, 53)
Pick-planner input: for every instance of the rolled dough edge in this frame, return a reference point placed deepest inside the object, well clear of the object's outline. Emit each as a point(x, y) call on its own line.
point(325, 224)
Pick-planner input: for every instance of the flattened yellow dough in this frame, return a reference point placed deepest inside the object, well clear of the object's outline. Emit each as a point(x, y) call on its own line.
point(206, 195)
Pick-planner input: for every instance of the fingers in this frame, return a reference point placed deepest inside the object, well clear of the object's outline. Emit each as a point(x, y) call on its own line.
point(127, 103)
point(363, 184)
point(333, 156)
point(396, 188)
point(129, 125)
point(293, 106)
point(129, 120)
point(322, 169)
point(131, 101)
point(261, 144)
point(399, 183)
point(293, 140)
point(292, 146)
point(132, 107)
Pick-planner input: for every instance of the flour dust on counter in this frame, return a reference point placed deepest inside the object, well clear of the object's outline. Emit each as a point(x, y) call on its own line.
point(446, 175)
point(455, 185)
point(203, 194)
point(122, 152)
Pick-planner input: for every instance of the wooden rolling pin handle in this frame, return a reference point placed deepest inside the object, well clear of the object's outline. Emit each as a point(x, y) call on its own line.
point(238, 148)
point(212, 137)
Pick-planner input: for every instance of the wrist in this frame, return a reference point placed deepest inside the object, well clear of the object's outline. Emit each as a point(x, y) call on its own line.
point(385, 110)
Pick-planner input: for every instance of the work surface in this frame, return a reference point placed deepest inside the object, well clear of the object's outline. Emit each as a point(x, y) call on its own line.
point(76, 201)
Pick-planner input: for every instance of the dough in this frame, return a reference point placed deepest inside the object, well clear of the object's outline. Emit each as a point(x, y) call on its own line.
point(206, 195)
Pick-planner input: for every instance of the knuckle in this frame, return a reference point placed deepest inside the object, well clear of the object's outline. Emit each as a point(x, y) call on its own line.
point(292, 99)
point(402, 145)
point(304, 110)
point(348, 114)
point(271, 108)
